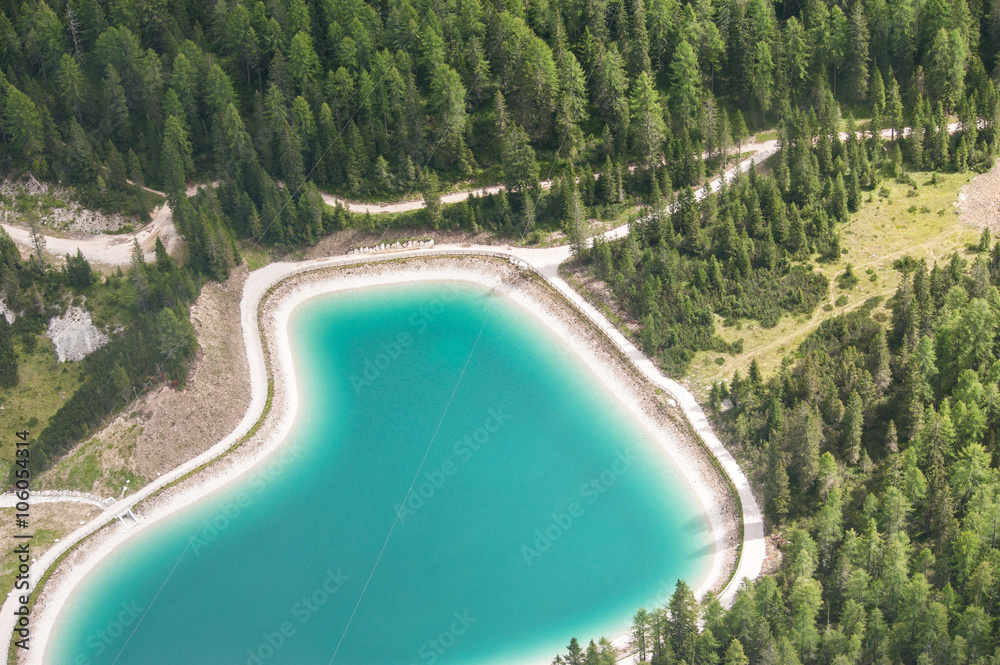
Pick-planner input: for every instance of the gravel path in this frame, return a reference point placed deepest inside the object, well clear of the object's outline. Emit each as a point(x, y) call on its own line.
point(8, 500)
point(117, 250)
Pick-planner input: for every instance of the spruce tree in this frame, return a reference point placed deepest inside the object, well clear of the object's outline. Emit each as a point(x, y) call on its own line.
point(8, 356)
point(735, 654)
point(853, 426)
point(431, 191)
point(838, 199)
point(876, 92)
point(803, 437)
point(878, 361)
point(575, 220)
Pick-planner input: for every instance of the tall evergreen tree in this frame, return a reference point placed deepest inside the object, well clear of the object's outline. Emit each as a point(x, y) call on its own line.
point(8, 356)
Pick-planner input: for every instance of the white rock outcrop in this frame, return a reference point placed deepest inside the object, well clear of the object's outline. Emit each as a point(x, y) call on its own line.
point(7, 312)
point(75, 335)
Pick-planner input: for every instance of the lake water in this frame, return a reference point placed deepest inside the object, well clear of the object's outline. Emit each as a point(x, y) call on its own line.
point(541, 509)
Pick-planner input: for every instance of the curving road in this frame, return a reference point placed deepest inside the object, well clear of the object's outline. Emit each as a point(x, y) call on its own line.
point(115, 250)
point(544, 261)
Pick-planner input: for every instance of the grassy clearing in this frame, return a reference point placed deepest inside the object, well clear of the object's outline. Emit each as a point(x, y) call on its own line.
point(256, 257)
point(100, 466)
point(48, 522)
point(44, 385)
point(923, 223)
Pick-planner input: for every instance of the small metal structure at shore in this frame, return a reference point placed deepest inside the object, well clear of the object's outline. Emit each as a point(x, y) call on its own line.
point(128, 513)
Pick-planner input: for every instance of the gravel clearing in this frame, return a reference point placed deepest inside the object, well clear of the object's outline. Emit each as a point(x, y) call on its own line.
point(56, 208)
point(979, 201)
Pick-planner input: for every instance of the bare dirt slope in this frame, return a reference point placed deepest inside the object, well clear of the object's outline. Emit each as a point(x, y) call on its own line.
point(979, 202)
point(169, 426)
point(184, 423)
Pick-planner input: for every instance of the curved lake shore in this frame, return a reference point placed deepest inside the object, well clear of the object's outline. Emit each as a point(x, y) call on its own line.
point(520, 286)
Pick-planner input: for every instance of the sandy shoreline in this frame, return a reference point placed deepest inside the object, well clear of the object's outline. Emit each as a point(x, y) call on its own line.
point(529, 292)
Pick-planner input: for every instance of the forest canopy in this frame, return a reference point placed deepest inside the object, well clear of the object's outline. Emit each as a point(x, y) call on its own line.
point(376, 99)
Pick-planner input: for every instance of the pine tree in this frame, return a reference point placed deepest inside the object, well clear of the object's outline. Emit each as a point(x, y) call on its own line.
point(357, 159)
point(853, 190)
point(431, 191)
point(575, 220)
point(527, 215)
point(78, 271)
point(137, 275)
point(520, 168)
point(22, 122)
point(134, 168)
point(797, 243)
point(687, 88)
point(647, 127)
point(448, 99)
point(638, 42)
point(740, 132)
point(945, 67)
point(802, 439)
point(683, 621)
point(893, 107)
point(71, 85)
point(878, 361)
point(891, 440)
point(303, 60)
point(639, 633)
point(8, 356)
point(163, 261)
point(574, 653)
point(838, 199)
point(779, 491)
point(38, 241)
point(114, 107)
point(915, 140)
point(735, 654)
point(116, 169)
point(876, 92)
point(852, 427)
point(172, 168)
point(742, 260)
point(724, 138)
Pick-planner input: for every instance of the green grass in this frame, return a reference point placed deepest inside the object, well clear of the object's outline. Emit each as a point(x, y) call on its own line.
point(85, 473)
point(47, 522)
point(883, 230)
point(99, 465)
point(45, 384)
point(256, 257)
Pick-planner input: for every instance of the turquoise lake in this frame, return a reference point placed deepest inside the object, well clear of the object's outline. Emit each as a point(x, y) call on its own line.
point(542, 509)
